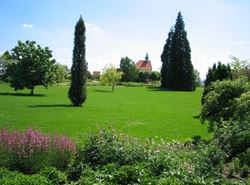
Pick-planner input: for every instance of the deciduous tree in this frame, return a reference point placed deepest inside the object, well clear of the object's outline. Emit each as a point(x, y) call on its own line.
point(127, 67)
point(111, 76)
point(33, 66)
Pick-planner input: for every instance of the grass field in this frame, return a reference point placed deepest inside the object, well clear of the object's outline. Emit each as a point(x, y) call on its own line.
point(136, 111)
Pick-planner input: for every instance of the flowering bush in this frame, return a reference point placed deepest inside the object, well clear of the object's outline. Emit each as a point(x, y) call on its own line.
point(31, 150)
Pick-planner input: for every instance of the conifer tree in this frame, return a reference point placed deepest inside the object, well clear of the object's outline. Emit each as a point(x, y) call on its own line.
point(165, 59)
point(180, 71)
point(77, 92)
point(217, 72)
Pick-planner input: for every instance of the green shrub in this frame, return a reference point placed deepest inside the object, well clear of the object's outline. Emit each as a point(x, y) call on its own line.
point(245, 157)
point(234, 137)
point(169, 181)
point(210, 160)
point(244, 171)
point(107, 147)
point(162, 163)
point(221, 103)
point(234, 167)
point(54, 175)
point(131, 174)
point(14, 178)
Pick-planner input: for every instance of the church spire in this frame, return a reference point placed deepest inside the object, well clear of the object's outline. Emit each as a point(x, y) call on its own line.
point(146, 57)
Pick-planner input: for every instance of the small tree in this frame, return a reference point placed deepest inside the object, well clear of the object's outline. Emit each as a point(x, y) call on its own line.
point(62, 73)
point(197, 78)
point(240, 68)
point(111, 76)
point(144, 76)
point(33, 66)
point(78, 88)
point(5, 61)
point(155, 76)
point(130, 73)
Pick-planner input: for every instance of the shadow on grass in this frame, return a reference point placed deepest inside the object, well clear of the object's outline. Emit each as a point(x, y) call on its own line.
point(152, 88)
point(20, 94)
point(103, 91)
point(47, 106)
point(197, 116)
point(157, 89)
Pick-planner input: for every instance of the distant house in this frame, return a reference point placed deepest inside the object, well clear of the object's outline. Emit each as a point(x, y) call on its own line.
point(144, 65)
point(96, 74)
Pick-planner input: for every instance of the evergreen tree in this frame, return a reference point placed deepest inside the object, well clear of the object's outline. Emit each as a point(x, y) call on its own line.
point(165, 58)
point(177, 71)
point(180, 71)
point(217, 72)
point(77, 91)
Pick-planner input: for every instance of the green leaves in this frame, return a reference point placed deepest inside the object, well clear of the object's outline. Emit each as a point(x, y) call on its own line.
point(130, 73)
point(33, 66)
point(111, 76)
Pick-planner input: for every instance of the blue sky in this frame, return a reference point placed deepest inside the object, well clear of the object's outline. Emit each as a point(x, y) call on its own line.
point(117, 28)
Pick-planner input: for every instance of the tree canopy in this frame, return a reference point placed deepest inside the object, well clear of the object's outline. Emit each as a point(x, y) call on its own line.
point(130, 73)
point(240, 68)
point(62, 73)
point(32, 66)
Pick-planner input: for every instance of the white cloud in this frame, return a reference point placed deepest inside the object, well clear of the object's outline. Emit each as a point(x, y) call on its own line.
point(28, 26)
point(238, 43)
point(103, 48)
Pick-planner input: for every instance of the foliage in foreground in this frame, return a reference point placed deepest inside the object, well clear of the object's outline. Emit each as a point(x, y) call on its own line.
point(226, 100)
point(110, 158)
point(227, 109)
point(15, 178)
point(30, 151)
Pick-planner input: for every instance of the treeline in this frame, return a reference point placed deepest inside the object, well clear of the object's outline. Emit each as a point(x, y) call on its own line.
point(132, 74)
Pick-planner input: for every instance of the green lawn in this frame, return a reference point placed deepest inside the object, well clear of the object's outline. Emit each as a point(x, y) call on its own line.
point(137, 111)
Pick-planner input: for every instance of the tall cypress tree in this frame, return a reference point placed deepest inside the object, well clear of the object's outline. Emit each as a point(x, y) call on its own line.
point(77, 91)
point(180, 71)
point(165, 59)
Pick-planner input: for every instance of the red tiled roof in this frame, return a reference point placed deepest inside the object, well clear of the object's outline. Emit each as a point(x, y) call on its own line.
point(144, 65)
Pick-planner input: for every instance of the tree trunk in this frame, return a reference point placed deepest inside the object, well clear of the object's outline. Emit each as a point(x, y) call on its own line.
point(32, 92)
point(113, 88)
